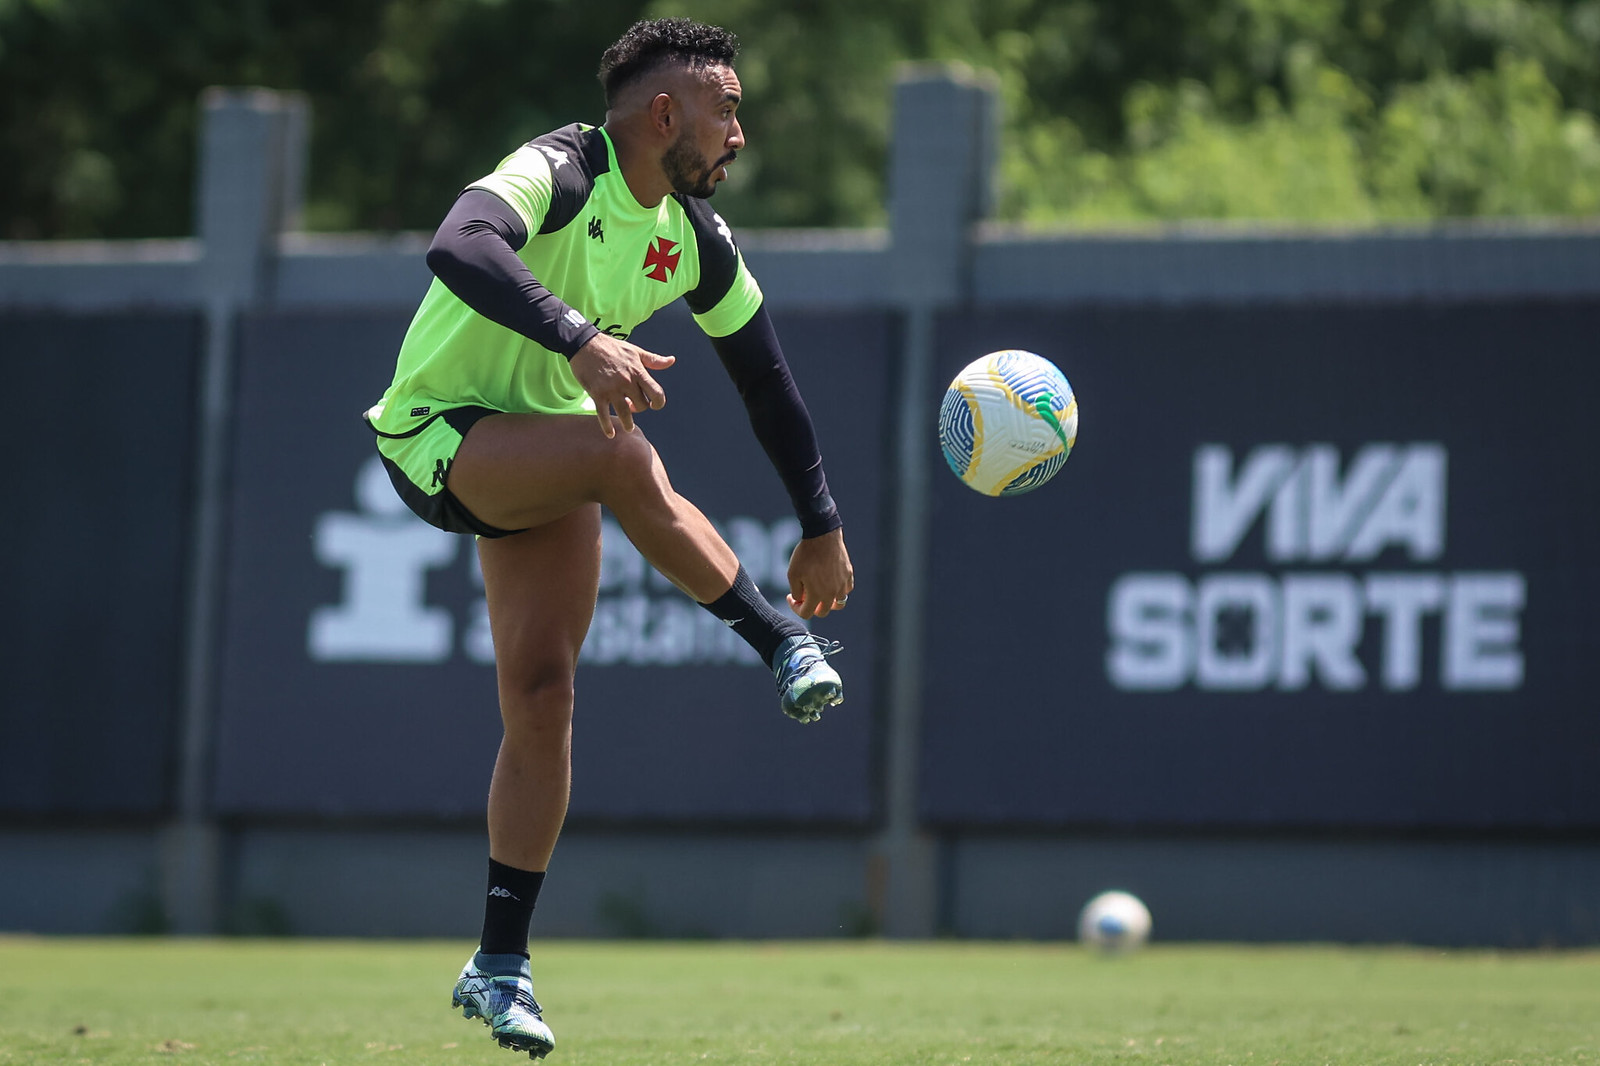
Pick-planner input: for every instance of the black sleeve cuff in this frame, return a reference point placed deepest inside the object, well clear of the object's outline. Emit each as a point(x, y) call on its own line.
point(821, 522)
point(571, 342)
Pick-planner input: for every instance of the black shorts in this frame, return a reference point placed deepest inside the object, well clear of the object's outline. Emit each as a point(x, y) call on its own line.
point(419, 461)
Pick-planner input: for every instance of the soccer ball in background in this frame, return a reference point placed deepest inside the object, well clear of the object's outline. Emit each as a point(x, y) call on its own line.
point(1008, 422)
point(1114, 922)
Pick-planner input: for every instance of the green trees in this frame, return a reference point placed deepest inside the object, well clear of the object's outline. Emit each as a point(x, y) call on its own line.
point(1494, 142)
point(411, 99)
point(1319, 110)
point(1354, 111)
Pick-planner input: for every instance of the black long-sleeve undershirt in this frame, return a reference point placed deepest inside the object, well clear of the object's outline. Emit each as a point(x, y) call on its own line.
point(753, 359)
point(474, 253)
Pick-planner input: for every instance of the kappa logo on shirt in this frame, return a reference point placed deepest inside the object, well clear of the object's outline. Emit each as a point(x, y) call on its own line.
point(722, 228)
point(661, 260)
point(558, 158)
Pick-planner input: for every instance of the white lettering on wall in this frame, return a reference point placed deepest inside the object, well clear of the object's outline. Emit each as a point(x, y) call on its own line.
point(1225, 506)
point(1245, 632)
point(1389, 496)
point(1483, 628)
point(1402, 600)
point(1233, 631)
point(1153, 649)
point(1246, 658)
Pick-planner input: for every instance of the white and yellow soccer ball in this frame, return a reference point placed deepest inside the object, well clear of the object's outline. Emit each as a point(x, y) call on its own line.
point(1114, 922)
point(1008, 422)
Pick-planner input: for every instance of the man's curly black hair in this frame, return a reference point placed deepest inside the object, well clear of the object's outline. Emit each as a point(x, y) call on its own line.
point(649, 43)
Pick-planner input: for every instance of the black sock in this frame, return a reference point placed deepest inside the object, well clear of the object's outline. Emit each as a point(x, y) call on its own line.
point(509, 909)
point(749, 614)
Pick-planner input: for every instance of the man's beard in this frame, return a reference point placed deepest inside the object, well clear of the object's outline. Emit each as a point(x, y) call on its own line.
point(687, 170)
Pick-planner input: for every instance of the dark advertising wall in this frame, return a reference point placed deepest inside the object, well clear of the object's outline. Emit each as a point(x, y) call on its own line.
point(101, 432)
point(1308, 565)
point(357, 674)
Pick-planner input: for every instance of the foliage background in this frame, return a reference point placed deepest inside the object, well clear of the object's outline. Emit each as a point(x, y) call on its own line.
point(1114, 111)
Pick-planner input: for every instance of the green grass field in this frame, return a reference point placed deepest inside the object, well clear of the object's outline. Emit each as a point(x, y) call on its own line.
point(845, 1003)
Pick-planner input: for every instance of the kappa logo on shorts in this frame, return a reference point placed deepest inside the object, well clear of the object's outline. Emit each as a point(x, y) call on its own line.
point(441, 470)
point(418, 412)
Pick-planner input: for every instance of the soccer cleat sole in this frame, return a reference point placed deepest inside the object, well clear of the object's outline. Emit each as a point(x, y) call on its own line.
point(536, 1049)
point(808, 705)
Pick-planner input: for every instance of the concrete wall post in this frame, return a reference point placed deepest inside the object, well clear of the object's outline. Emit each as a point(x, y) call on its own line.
point(940, 166)
point(251, 168)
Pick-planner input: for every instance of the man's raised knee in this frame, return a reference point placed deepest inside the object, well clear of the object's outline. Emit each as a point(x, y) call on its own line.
point(633, 464)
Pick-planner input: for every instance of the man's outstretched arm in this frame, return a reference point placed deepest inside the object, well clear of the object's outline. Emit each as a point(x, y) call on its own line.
point(820, 575)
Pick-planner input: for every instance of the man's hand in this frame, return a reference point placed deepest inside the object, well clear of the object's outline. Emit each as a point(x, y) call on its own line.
point(820, 575)
point(617, 375)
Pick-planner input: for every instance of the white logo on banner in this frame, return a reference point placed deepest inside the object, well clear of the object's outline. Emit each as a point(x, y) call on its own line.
point(385, 554)
point(1246, 631)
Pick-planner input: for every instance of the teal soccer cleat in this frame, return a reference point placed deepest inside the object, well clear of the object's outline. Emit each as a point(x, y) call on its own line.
point(807, 685)
point(498, 989)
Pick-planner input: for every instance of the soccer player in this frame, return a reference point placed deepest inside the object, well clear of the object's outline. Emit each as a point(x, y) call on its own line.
point(511, 416)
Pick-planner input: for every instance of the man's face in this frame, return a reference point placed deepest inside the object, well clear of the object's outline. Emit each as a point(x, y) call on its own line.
point(710, 137)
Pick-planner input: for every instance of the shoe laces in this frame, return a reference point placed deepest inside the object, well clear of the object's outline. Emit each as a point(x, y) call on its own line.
point(522, 996)
point(813, 650)
point(521, 991)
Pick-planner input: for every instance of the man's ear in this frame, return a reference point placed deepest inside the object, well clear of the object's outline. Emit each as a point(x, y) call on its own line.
point(663, 112)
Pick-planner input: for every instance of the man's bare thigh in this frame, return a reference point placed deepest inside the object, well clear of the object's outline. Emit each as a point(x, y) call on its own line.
point(541, 585)
point(517, 471)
